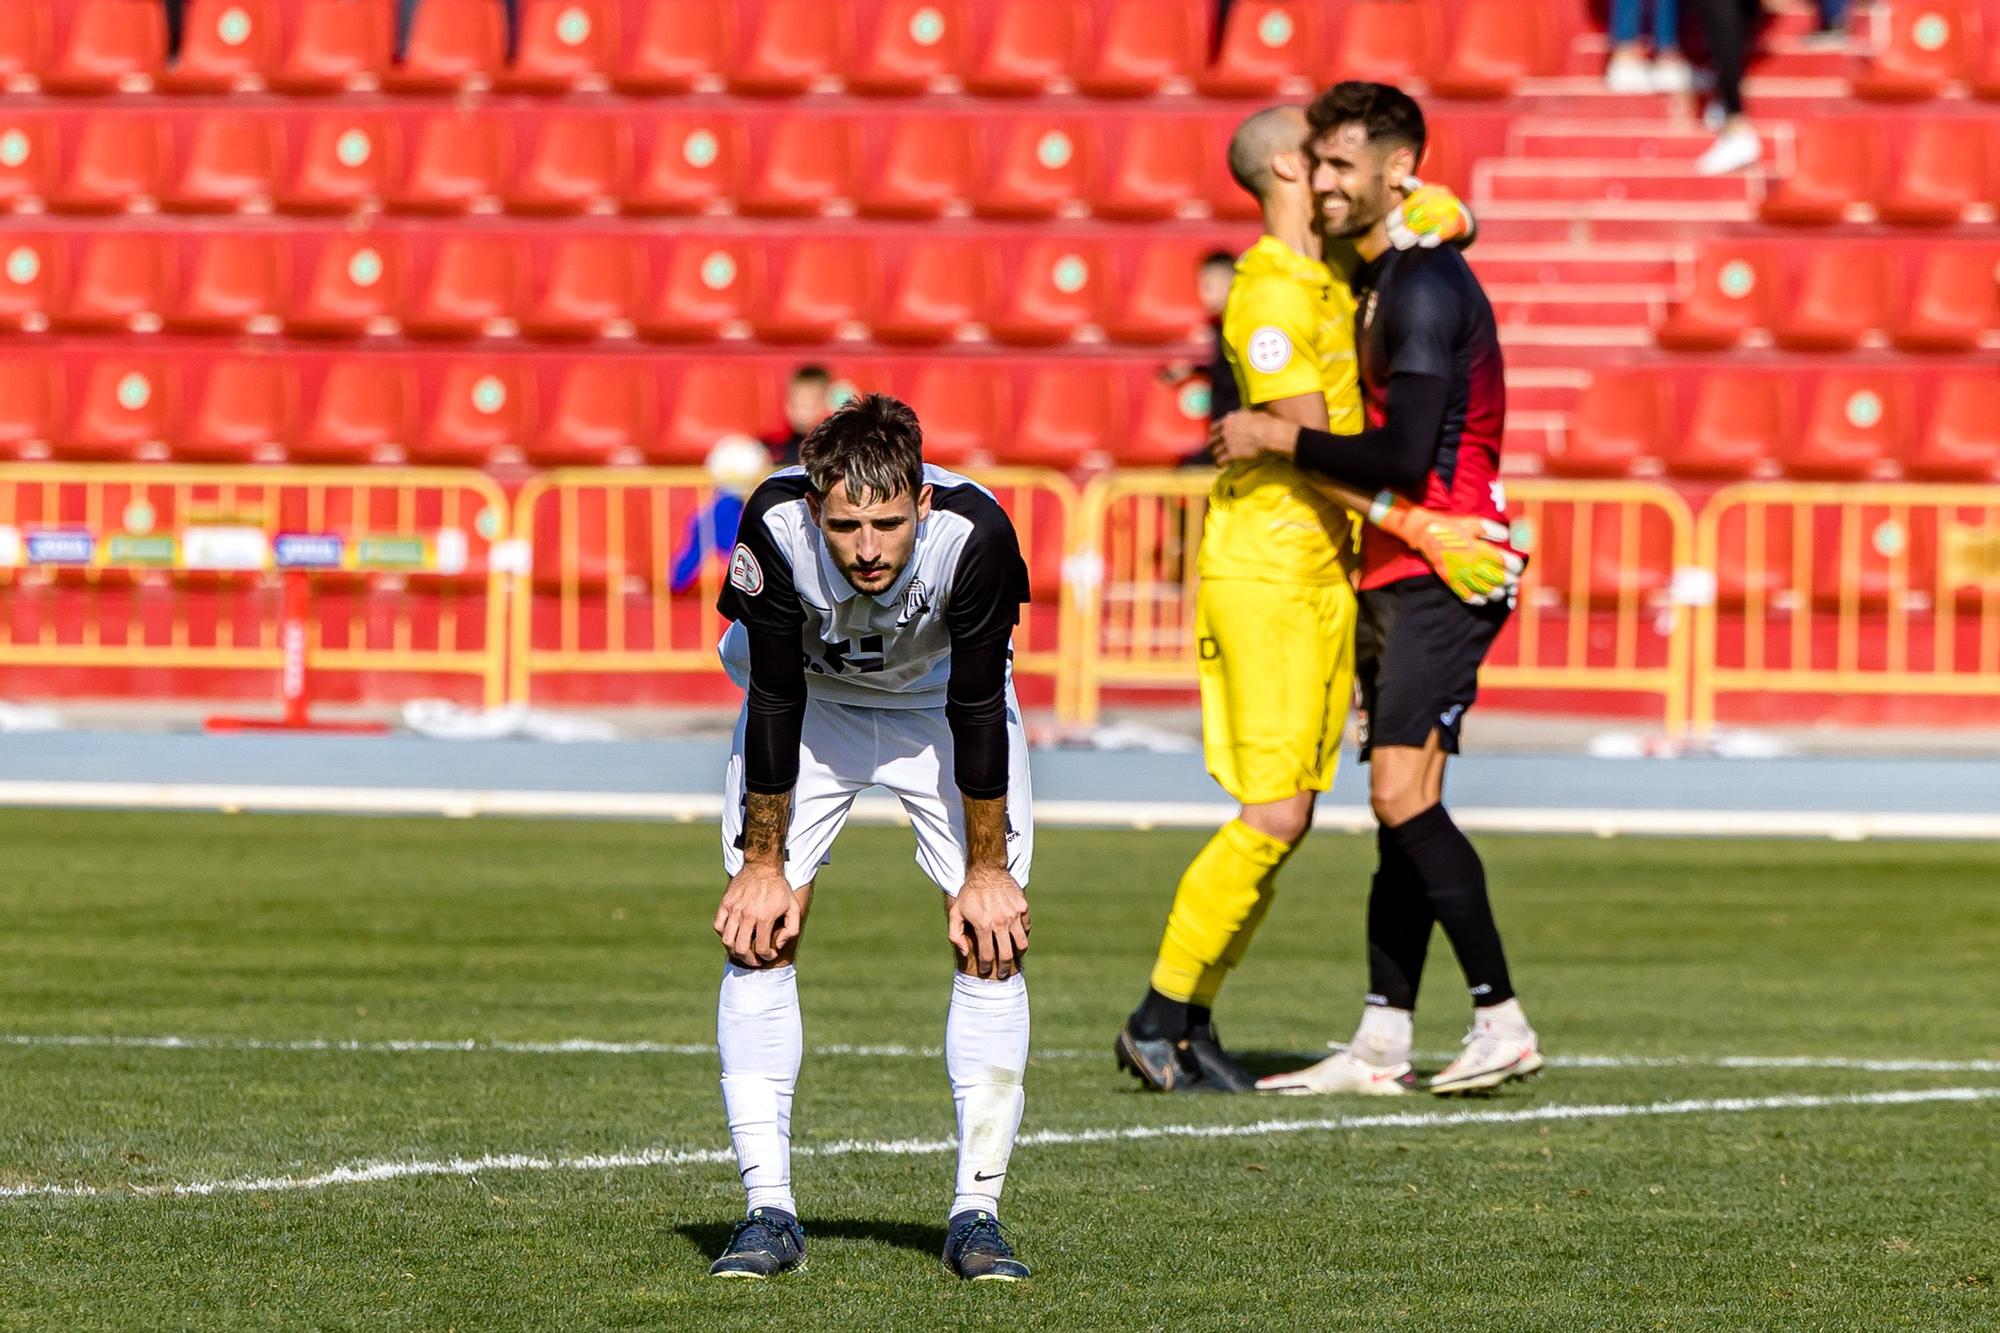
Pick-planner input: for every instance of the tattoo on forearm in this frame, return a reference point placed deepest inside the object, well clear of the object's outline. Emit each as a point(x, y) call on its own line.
point(764, 820)
point(986, 832)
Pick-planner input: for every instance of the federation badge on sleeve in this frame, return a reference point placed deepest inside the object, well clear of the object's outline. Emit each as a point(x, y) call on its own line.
point(1270, 351)
point(745, 574)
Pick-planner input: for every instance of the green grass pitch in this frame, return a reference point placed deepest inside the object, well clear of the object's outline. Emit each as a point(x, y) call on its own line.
point(1828, 1214)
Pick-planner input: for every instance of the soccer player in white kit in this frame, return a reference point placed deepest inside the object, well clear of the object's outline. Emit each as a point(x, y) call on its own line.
point(874, 600)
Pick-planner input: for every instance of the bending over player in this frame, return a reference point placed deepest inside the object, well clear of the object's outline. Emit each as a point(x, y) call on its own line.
point(874, 598)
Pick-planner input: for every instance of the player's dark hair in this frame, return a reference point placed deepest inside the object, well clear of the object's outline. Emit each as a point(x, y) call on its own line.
point(812, 374)
point(1388, 114)
point(874, 444)
point(1220, 258)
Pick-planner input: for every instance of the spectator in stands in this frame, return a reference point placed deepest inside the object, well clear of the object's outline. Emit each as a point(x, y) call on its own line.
point(1212, 279)
point(176, 13)
point(406, 13)
point(736, 464)
point(1831, 34)
point(1736, 146)
point(1630, 71)
point(809, 400)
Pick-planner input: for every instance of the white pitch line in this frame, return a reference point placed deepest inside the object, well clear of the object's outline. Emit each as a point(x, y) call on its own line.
point(373, 1172)
point(593, 1046)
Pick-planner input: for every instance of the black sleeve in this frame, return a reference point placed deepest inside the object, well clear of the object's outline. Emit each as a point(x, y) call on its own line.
point(761, 597)
point(1422, 337)
point(986, 597)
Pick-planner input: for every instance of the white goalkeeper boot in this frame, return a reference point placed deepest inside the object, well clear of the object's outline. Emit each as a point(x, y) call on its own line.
point(1375, 1064)
point(1500, 1048)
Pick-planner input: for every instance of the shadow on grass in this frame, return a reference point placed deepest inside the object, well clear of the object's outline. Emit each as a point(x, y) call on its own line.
point(708, 1238)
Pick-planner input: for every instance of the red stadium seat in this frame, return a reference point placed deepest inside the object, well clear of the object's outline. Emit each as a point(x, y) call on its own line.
point(1145, 47)
point(1390, 41)
point(565, 46)
point(1497, 44)
point(452, 45)
point(341, 163)
point(229, 164)
point(1268, 47)
point(944, 287)
point(471, 287)
point(916, 46)
point(827, 291)
point(926, 169)
point(587, 289)
point(1962, 441)
point(27, 162)
point(483, 408)
point(1159, 172)
point(1932, 43)
point(126, 412)
point(798, 46)
point(1735, 289)
point(1986, 73)
point(1947, 168)
point(243, 414)
point(1955, 301)
point(965, 411)
point(1157, 301)
point(580, 163)
point(1030, 47)
point(1038, 167)
point(111, 46)
point(1072, 415)
point(682, 46)
point(1053, 294)
point(337, 46)
point(809, 164)
point(33, 275)
point(30, 395)
point(1857, 428)
point(226, 46)
point(717, 400)
point(117, 167)
point(1837, 163)
point(352, 286)
point(1172, 424)
point(1843, 296)
point(708, 291)
point(457, 166)
point(603, 412)
point(362, 414)
point(690, 166)
point(1621, 418)
point(1738, 422)
point(122, 284)
point(235, 285)
point(25, 47)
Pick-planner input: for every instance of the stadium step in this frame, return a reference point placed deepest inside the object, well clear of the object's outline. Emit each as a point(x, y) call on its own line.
point(1583, 180)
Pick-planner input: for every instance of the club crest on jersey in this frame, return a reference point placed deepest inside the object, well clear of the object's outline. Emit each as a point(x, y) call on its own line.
point(745, 574)
point(1270, 350)
point(915, 602)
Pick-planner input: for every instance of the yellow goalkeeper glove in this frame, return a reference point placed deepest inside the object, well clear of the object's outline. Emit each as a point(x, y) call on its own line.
point(1474, 556)
point(1430, 216)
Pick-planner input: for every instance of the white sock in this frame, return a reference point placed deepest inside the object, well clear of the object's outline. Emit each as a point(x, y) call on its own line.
point(1506, 1016)
point(1383, 1039)
point(986, 1054)
point(758, 1030)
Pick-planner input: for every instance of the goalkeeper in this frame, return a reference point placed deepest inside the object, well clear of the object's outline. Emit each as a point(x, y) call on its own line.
point(1431, 375)
point(1275, 613)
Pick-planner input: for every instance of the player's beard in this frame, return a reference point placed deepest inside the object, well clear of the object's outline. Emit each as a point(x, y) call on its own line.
point(1362, 213)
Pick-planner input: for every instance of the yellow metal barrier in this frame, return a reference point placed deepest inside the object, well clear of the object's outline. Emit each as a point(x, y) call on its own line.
point(1851, 590)
point(1605, 622)
point(596, 601)
point(139, 567)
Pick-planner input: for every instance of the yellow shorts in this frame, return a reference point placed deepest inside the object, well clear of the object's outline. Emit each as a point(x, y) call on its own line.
point(1277, 679)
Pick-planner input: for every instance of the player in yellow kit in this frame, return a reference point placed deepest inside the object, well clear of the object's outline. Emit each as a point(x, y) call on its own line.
point(1276, 608)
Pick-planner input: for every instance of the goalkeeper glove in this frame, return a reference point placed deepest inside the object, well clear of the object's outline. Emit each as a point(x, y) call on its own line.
point(1474, 556)
point(1429, 217)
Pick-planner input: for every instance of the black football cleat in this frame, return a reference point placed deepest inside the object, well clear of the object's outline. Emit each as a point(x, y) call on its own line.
point(1218, 1072)
point(1162, 1064)
point(764, 1244)
point(975, 1250)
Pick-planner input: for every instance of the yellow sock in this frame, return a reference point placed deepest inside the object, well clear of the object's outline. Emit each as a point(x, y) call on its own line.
point(1222, 898)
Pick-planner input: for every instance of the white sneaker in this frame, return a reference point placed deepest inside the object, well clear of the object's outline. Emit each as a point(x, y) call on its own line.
point(1491, 1056)
point(1343, 1072)
point(1672, 74)
point(1629, 72)
point(1732, 150)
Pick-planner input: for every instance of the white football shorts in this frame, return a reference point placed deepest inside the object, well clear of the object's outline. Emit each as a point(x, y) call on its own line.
point(845, 749)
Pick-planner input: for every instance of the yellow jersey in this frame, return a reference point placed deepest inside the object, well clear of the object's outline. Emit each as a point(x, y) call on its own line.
point(1287, 329)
